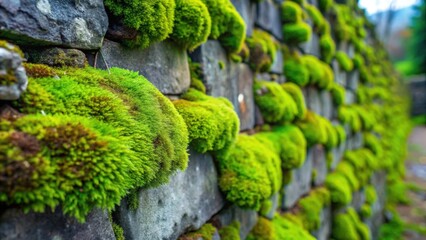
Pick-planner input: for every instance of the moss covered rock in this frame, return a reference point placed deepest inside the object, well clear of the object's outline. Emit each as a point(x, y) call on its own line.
point(263, 49)
point(296, 33)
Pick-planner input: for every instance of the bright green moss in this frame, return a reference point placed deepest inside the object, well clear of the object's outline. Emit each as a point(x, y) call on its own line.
point(44, 163)
point(370, 194)
point(263, 230)
point(38, 70)
point(227, 25)
point(296, 72)
point(249, 172)
point(366, 211)
point(327, 48)
point(338, 92)
point(340, 190)
point(358, 61)
point(344, 228)
point(348, 171)
point(118, 231)
point(319, 72)
point(230, 232)
point(362, 229)
point(212, 122)
point(325, 5)
point(206, 232)
point(266, 207)
point(317, 18)
point(291, 12)
point(348, 115)
point(341, 133)
point(192, 23)
point(263, 48)
point(344, 61)
point(152, 19)
point(312, 206)
point(313, 129)
point(297, 95)
point(275, 104)
point(373, 143)
point(286, 229)
point(155, 133)
point(296, 33)
point(195, 74)
point(332, 137)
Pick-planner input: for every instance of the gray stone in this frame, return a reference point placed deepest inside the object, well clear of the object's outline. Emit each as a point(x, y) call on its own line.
point(350, 97)
point(300, 183)
point(245, 107)
point(324, 231)
point(358, 140)
point(312, 46)
point(190, 199)
point(11, 68)
point(339, 75)
point(351, 51)
point(326, 104)
point(275, 204)
point(358, 199)
point(337, 154)
point(163, 64)
point(258, 118)
point(277, 65)
point(352, 80)
point(319, 165)
point(378, 180)
point(59, 57)
point(77, 24)
point(343, 46)
point(313, 101)
point(246, 218)
point(268, 18)
point(417, 86)
point(247, 10)
point(14, 224)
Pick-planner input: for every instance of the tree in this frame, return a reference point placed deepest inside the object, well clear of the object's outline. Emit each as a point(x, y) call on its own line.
point(418, 40)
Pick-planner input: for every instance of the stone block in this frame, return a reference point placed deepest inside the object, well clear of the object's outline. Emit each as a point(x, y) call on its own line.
point(190, 199)
point(275, 204)
point(77, 24)
point(358, 140)
point(277, 65)
point(245, 106)
point(352, 80)
point(326, 104)
point(339, 75)
point(300, 183)
point(343, 46)
point(350, 97)
point(58, 57)
point(313, 102)
point(268, 17)
point(351, 51)
point(323, 233)
point(358, 199)
point(337, 154)
point(247, 10)
point(16, 225)
point(378, 180)
point(319, 165)
point(246, 218)
point(163, 64)
point(312, 46)
point(11, 64)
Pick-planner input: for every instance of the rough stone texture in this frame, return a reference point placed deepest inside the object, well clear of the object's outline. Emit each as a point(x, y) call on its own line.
point(343, 46)
point(184, 204)
point(246, 218)
point(300, 183)
point(78, 24)
point(277, 65)
point(312, 46)
point(378, 180)
point(353, 80)
point(11, 64)
point(319, 165)
point(268, 18)
point(258, 118)
point(326, 104)
point(324, 231)
point(337, 154)
point(247, 10)
point(59, 57)
point(351, 51)
point(417, 86)
point(313, 102)
point(275, 202)
point(358, 199)
point(16, 225)
point(163, 64)
point(358, 140)
point(350, 97)
point(233, 81)
point(339, 75)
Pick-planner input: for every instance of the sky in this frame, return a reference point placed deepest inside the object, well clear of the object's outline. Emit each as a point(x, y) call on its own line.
point(374, 6)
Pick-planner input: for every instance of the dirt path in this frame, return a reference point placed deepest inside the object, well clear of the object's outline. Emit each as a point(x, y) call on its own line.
point(415, 213)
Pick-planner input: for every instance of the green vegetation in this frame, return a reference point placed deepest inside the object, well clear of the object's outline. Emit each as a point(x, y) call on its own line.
point(349, 226)
point(296, 72)
point(313, 128)
point(286, 229)
point(311, 208)
point(297, 95)
point(230, 232)
point(291, 12)
point(263, 48)
point(327, 47)
point(264, 229)
point(418, 40)
point(344, 61)
point(206, 232)
point(39, 70)
point(317, 18)
point(338, 92)
point(296, 33)
point(325, 5)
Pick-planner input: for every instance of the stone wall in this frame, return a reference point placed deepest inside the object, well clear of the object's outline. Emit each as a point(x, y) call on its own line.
point(417, 86)
point(192, 197)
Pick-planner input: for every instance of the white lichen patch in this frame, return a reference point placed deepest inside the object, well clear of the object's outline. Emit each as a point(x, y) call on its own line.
point(44, 7)
point(82, 32)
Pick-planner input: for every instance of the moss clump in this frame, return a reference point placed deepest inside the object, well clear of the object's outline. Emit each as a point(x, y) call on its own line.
point(230, 232)
point(312, 206)
point(44, 163)
point(313, 128)
point(291, 12)
point(317, 18)
point(338, 92)
point(212, 122)
point(264, 229)
point(192, 23)
point(263, 48)
point(227, 25)
point(348, 171)
point(344, 61)
point(373, 143)
point(319, 72)
point(327, 48)
point(154, 131)
point(341, 133)
point(286, 229)
point(297, 95)
point(370, 194)
point(39, 70)
point(366, 211)
point(118, 231)
point(343, 228)
point(153, 20)
point(275, 104)
point(206, 232)
point(249, 172)
point(296, 72)
point(358, 61)
point(296, 33)
point(11, 47)
point(325, 5)
point(348, 115)
point(195, 73)
point(340, 190)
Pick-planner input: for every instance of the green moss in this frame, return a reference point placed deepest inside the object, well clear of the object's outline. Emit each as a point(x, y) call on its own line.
point(39, 70)
point(332, 135)
point(349, 115)
point(347, 170)
point(249, 172)
point(227, 25)
point(344, 228)
point(11, 47)
point(230, 232)
point(291, 12)
point(221, 65)
point(319, 72)
point(373, 143)
point(44, 163)
point(296, 72)
point(344, 61)
point(296, 33)
point(327, 48)
point(341, 133)
point(338, 92)
point(192, 23)
point(286, 229)
point(263, 230)
point(317, 18)
point(266, 207)
point(212, 122)
point(340, 190)
point(312, 206)
point(325, 5)
point(118, 232)
point(297, 95)
point(153, 20)
point(358, 61)
point(263, 48)
point(206, 232)
point(365, 211)
point(275, 104)
point(313, 128)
